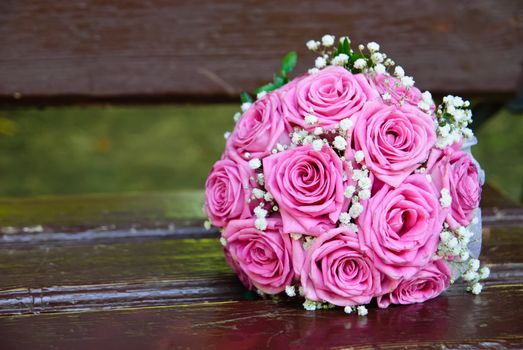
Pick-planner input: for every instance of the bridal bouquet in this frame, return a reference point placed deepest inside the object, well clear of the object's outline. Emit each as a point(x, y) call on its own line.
point(347, 184)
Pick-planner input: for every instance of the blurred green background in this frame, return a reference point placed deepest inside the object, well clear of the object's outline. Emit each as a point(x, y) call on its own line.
point(94, 149)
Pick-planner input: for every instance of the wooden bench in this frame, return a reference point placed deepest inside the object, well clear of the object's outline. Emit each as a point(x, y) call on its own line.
point(130, 51)
point(138, 270)
point(133, 271)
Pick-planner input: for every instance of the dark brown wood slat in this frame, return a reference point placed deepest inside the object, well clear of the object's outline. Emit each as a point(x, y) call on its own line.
point(97, 49)
point(60, 275)
point(122, 295)
point(140, 260)
point(148, 214)
point(456, 321)
point(110, 266)
point(198, 289)
point(69, 278)
point(100, 213)
point(110, 273)
point(102, 262)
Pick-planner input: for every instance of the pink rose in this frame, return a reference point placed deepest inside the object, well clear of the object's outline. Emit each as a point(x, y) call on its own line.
point(331, 95)
point(399, 93)
point(264, 256)
point(394, 140)
point(455, 170)
point(427, 283)
point(401, 226)
point(225, 192)
point(438, 167)
point(465, 189)
point(259, 130)
point(292, 84)
point(338, 271)
point(308, 186)
point(242, 276)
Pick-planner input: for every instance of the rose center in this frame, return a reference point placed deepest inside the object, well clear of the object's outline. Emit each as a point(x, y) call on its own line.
point(402, 221)
point(261, 255)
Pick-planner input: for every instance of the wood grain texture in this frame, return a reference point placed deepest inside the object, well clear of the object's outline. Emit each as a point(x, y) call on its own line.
point(165, 49)
point(130, 254)
point(68, 276)
point(458, 321)
point(148, 214)
point(68, 253)
point(99, 213)
point(81, 282)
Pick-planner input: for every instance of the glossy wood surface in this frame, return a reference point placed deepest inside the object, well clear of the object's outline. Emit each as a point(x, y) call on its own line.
point(164, 50)
point(128, 272)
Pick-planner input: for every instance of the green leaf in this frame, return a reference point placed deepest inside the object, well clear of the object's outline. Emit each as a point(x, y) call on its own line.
point(267, 87)
point(338, 50)
point(345, 46)
point(245, 97)
point(279, 80)
point(355, 56)
point(288, 63)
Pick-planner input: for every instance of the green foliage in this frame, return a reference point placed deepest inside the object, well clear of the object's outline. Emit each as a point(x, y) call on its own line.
point(159, 148)
point(355, 56)
point(72, 150)
point(287, 65)
point(499, 151)
point(343, 47)
point(245, 97)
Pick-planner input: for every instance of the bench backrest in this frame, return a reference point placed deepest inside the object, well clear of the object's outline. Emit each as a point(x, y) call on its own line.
point(211, 50)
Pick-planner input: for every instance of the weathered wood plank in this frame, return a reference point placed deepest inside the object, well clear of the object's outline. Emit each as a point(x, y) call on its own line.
point(120, 261)
point(155, 260)
point(111, 251)
point(103, 212)
point(165, 49)
point(165, 290)
point(192, 289)
point(149, 214)
point(62, 275)
point(456, 321)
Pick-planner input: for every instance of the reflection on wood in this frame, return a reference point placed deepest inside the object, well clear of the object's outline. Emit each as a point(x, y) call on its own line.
point(454, 321)
point(129, 272)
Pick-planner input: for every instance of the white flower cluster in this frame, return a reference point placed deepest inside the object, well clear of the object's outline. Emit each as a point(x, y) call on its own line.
point(261, 215)
point(290, 291)
point(357, 193)
point(474, 274)
point(406, 80)
point(361, 309)
point(445, 199)
point(453, 247)
point(255, 163)
point(454, 244)
point(426, 102)
point(266, 201)
point(453, 118)
point(311, 305)
point(307, 242)
point(368, 59)
point(318, 137)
